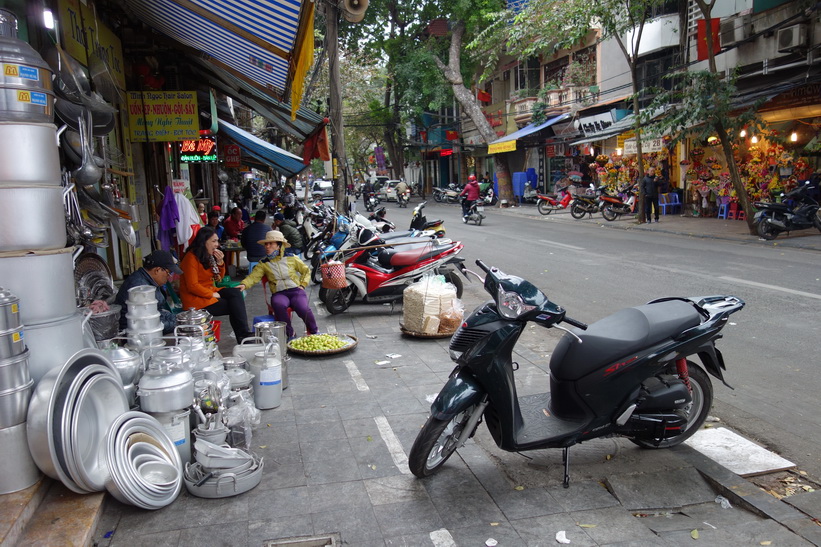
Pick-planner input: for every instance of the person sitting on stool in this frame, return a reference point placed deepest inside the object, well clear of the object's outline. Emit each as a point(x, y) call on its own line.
point(287, 277)
point(156, 270)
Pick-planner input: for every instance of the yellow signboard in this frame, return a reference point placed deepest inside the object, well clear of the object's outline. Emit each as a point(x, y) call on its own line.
point(83, 35)
point(506, 146)
point(162, 116)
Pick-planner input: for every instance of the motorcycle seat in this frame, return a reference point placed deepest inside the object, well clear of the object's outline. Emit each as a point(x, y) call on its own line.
point(622, 335)
point(431, 224)
point(408, 255)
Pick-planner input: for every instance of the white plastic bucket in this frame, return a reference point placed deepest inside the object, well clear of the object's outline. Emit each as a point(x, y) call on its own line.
point(178, 427)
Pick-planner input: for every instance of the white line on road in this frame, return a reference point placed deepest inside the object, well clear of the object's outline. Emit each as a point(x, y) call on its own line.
point(393, 444)
point(356, 376)
point(771, 287)
point(562, 245)
point(442, 538)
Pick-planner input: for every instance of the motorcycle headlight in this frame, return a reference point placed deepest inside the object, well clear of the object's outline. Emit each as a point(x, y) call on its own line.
point(511, 305)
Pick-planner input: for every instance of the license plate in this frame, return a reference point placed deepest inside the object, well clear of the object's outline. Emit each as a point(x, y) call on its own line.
point(480, 209)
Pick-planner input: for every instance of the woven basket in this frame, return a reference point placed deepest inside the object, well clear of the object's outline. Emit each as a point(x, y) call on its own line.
point(333, 276)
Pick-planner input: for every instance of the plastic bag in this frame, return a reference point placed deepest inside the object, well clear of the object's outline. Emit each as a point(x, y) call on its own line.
point(241, 419)
point(425, 299)
point(451, 318)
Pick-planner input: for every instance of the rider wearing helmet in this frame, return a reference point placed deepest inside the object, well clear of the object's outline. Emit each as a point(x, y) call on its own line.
point(471, 193)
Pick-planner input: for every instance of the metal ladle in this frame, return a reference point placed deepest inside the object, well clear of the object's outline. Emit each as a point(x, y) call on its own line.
point(89, 172)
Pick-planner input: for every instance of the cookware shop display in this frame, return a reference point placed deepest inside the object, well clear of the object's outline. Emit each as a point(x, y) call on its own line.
point(29, 155)
point(52, 343)
point(267, 372)
point(24, 70)
point(166, 387)
point(43, 231)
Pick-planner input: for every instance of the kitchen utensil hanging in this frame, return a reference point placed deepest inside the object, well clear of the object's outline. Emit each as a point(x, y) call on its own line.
point(89, 173)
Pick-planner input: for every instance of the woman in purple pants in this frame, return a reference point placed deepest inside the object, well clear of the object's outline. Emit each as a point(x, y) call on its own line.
point(287, 277)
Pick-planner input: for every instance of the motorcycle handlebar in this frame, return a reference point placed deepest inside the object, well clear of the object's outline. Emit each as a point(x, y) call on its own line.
point(575, 323)
point(483, 266)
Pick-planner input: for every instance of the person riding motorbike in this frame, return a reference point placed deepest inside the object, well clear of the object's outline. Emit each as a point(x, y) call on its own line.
point(471, 193)
point(401, 188)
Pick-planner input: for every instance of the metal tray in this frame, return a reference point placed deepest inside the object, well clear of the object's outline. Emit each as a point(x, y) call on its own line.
point(352, 343)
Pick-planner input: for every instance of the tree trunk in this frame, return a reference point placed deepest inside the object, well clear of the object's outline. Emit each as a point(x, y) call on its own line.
point(470, 106)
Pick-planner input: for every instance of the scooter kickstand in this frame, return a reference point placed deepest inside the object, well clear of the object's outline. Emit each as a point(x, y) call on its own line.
point(566, 460)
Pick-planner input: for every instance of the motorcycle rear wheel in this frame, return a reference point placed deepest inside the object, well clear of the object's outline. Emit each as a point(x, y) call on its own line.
point(437, 197)
point(702, 394)
point(577, 211)
point(479, 220)
point(544, 207)
point(436, 442)
point(609, 214)
point(766, 230)
point(339, 300)
point(453, 278)
point(316, 271)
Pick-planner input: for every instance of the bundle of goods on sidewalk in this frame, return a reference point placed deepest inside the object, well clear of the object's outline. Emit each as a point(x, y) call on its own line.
point(431, 308)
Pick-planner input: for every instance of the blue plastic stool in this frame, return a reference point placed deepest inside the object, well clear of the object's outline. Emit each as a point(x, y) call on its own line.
point(723, 207)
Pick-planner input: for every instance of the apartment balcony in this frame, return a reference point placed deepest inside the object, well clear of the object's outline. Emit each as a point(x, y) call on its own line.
point(523, 109)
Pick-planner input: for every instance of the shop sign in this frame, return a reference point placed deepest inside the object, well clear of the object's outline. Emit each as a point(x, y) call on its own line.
point(163, 116)
point(648, 146)
point(596, 124)
point(202, 150)
point(83, 35)
point(550, 151)
point(180, 186)
point(445, 152)
point(804, 95)
point(506, 146)
point(233, 155)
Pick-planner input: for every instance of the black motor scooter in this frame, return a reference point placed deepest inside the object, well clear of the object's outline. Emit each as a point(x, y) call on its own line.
point(800, 212)
point(627, 374)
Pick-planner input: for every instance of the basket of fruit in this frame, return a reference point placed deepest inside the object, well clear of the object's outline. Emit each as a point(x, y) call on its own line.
point(322, 344)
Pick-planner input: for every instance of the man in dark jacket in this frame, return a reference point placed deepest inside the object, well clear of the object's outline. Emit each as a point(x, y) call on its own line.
point(253, 233)
point(156, 270)
point(292, 235)
point(650, 186)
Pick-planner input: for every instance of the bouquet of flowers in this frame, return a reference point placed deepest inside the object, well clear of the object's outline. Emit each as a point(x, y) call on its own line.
point(602, 159)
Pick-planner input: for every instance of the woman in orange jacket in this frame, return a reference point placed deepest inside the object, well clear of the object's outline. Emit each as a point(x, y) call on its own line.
point(202, 266)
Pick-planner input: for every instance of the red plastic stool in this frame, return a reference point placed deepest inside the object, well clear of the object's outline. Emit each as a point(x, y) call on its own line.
point(741, 215)
point(733, 212)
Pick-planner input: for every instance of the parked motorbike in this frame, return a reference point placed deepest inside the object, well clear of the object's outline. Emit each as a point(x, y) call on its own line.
point(476, 212)
point(381, 224)
point(381, 275)
point(420, 222)
point(529, 195)
point(446, 195)
point(614, 206)
point(628, 374)
point(585, 203)
point(798, 211)
point(547, 203)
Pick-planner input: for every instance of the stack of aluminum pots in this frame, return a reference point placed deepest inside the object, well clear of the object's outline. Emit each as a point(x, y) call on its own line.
point(144, 327)
point(16, 387)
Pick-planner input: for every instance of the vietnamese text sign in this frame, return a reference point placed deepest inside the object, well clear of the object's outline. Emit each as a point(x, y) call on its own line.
point(647, 146)
point(161, 116)
point(233, 155)
point(504, 146)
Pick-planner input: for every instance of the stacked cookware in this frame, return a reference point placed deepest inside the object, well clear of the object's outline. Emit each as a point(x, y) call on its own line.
point(16, 387)
point(144, 327)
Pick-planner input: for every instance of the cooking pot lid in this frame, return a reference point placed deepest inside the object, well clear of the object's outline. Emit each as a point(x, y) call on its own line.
point(7, 297)
point(166, 377)
point(193, 317)
point(119, 354)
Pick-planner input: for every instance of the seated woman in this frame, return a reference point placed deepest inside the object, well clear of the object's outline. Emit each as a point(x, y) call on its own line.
point(202, 267)
point(287, 277)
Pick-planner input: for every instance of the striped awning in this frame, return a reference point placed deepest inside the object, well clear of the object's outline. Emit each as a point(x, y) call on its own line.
point(258, 40)
point(283, 161)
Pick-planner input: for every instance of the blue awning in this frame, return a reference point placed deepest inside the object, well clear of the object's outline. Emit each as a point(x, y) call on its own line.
point(283, 161)
point(254, 39)
point(508, 142)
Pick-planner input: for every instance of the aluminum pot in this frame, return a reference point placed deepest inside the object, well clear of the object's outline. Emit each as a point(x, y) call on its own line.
point(139, 311)
point(9, 310)
point(29, 155)
point(126, 361)
point(14, 371)
point(52, 343)
point(142, 294)
point(144, 324)
point(14, 405)
point(11, 343)
point(43, 295)
point(24, 71)
point(42, 227)
point(19, 469)
point(166, 388)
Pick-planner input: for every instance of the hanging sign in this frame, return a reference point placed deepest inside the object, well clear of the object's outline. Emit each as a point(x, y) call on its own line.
point(648, 146)
point(233, 155)
point(506, 146)
point(200, 150)
point(162, 116)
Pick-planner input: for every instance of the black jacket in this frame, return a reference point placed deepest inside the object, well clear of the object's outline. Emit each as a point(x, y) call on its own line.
point(137, 279)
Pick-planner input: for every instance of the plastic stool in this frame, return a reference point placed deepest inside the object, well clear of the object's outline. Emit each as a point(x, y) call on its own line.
point(733, 214)
point(723, 206)
point(741, 215)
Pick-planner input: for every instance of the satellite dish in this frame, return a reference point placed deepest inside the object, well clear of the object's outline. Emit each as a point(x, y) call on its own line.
point(354, 10)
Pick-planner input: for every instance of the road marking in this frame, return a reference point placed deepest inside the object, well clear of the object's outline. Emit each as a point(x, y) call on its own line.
point(562, 245)
point(771, 287)
point(442, 538)
point(392, 442)
point(356, 376)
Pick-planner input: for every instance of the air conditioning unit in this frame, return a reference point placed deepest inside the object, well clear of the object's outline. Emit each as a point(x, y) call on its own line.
point(791, 38)
point(735, 30)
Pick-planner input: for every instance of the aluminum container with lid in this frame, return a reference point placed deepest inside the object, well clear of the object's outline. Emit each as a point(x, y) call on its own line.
point(166, 387)
point(194, 317)
point(26, 93)
point(9, 310)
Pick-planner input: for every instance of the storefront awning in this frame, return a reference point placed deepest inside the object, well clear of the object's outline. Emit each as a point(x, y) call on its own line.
point(508, 142)
point(265, 43)
point(283, 161)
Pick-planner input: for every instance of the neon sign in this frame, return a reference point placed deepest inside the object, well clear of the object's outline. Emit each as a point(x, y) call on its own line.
point(200, 150)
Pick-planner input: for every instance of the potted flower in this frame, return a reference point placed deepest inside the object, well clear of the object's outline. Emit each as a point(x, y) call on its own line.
point(602, 159)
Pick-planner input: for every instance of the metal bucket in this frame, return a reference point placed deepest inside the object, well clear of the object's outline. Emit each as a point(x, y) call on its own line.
point(19, 469)
point(275, 331)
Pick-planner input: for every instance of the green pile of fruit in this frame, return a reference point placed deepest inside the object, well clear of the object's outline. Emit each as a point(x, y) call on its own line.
point(318, 342)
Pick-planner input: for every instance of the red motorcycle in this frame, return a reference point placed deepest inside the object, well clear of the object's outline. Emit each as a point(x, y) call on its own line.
point(381, 274)
point(547, 204)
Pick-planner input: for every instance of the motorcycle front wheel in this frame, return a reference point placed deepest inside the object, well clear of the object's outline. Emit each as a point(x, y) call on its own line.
point(437, 197)
point(577, 210)
point(766, 230)
point(436, 443)
point(697, 410)
point(544, 207)
point(339, 300)
point(608, 213)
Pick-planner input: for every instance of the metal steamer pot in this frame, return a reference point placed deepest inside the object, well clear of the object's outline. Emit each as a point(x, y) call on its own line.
point(29, 155)
point(11, 343)
point(166, 388)
point(51, 344)
point(9, 310)
point(24, 70)
point(44, 296)
point(195, 323)
point(43, 231)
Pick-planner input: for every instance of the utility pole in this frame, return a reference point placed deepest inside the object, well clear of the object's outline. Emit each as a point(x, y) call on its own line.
point(335, 115)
